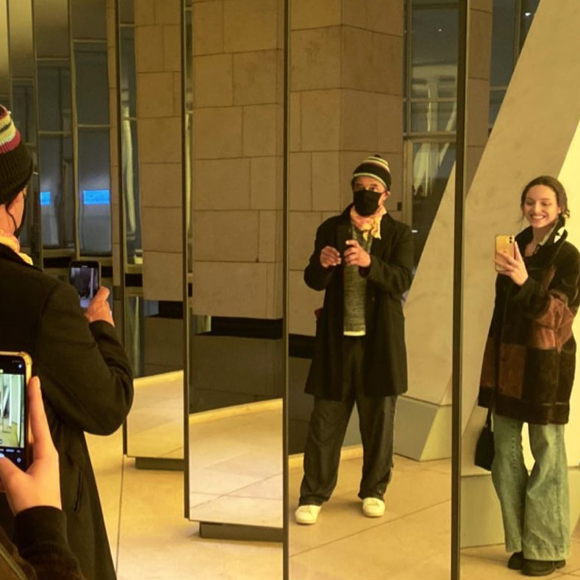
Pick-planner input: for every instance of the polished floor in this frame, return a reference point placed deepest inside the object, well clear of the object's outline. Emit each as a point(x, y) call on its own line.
point(149, 535)
point(151, 539)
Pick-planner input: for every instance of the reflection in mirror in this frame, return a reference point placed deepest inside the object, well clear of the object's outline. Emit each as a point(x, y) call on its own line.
point(150, 190)
point(345, 108)
point(237, 355)
point(518, 519)
point(4, 54)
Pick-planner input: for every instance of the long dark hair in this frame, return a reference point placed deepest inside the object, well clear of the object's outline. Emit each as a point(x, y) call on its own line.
point(555, 186)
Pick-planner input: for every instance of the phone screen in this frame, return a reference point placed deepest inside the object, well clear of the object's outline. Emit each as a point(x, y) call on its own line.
point(84, 276)
point(13, 416)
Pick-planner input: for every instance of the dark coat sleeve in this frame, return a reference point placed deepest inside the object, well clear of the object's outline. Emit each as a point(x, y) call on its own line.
point(395, 275)
point(316, 275)
point(41, 550)
point(84, 370)
point(40, 536)
point(547, 305)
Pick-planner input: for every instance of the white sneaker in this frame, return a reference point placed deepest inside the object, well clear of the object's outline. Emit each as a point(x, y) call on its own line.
point(373, 507)
point(307, 514)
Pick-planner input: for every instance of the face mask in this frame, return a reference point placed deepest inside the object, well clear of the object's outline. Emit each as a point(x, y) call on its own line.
point(18, 230)
point(366, 201)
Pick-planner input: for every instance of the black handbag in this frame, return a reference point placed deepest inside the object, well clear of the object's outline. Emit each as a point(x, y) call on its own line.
point(485, 450)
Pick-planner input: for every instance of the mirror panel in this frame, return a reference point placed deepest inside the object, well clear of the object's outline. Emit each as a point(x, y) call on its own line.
point(237, 354)
point(343, 109)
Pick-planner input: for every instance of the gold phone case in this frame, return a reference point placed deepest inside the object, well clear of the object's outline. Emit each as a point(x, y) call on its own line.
point(505, 244)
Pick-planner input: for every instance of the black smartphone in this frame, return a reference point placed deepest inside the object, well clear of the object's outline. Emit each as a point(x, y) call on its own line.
point(85, 276)
point(15, 371)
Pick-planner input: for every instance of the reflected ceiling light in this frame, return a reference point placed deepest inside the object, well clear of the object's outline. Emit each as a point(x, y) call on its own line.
point(527, 14)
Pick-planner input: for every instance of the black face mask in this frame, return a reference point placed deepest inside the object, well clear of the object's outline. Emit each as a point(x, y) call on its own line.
point(18, 230)
point(366, 201)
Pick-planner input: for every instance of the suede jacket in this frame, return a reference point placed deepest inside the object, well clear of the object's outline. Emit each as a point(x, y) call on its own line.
point(530, 355)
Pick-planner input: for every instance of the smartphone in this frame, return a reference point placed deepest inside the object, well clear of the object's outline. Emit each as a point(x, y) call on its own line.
point(15, 440)
point(85, 276)
point(505, 244)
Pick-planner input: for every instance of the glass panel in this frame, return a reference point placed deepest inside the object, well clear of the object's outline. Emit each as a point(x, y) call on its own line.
point(54, 96)
point(132, 192)
point(433, 49)
point(89, 19)
point(529, 8)
point(495, 101)
point(128, 75)
point(127, 11)
point(51, 28)
point(4, 60)
point(92, 83)
point(20, 38)
point(94, 192)
point(56, 191)
point(432, 164)
point(503, 42)
point(433, 117)
point(24, 111)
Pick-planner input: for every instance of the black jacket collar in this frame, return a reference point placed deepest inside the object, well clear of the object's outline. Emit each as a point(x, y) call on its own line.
point(8, 254)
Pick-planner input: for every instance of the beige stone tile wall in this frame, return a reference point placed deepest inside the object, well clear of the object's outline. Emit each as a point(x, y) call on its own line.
point(158, 64)
point(346, 103)
point(237, 166)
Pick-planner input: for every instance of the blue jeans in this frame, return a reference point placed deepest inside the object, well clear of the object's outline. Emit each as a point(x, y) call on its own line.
point(535, 506)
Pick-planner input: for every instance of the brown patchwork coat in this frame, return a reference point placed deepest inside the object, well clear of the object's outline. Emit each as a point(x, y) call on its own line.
point(530, 355)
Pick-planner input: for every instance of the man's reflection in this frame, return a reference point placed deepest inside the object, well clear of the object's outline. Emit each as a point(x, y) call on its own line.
point(363, 259)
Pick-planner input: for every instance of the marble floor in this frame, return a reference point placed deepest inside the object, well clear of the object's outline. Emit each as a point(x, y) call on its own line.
point(412, 540)
point(152, 540)
point(149, 535)
point(236, 466)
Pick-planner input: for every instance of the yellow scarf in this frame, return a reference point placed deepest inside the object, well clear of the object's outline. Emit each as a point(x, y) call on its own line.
point(368, 224)
point(12, 242)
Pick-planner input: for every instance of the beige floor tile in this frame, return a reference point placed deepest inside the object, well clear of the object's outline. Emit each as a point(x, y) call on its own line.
point(240, 510)
point(416, 546)
point(271, 488)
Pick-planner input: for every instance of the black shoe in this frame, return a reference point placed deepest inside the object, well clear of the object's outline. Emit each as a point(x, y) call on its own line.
point(516, 561)
point(541, 567)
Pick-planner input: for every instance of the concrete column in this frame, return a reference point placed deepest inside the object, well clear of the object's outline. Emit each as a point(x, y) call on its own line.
point(346, 103)
point(237, 187)
point(158, 65)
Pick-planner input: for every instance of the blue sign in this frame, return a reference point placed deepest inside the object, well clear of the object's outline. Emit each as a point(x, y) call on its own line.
point(96, 197)
point(45, 198)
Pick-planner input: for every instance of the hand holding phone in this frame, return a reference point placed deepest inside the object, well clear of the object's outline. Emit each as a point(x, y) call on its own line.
point(39, 486)
point(15, 371)
point(99, 308)
point(85, 276)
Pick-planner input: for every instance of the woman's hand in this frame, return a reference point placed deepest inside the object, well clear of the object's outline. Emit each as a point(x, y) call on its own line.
point(39, 486)
point(356, 255)
point(515, 268)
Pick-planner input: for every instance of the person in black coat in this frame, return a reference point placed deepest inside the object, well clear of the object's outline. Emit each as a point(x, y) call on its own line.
point(363, 260)
point(86, 376)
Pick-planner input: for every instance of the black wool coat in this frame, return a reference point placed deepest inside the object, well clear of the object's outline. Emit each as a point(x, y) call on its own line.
point(87, 386)
point(530, 354)
point(389, 276)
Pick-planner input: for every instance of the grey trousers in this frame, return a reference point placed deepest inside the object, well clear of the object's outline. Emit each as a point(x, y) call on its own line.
point(327, 428)
point(535, 506)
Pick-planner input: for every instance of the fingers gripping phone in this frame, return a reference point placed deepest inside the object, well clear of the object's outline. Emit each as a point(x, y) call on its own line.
point(85, 276)
point(15, 440)
point(505, 244)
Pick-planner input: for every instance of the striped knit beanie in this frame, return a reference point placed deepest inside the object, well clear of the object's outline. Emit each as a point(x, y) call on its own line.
point(376, 167)
point(15, 160)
